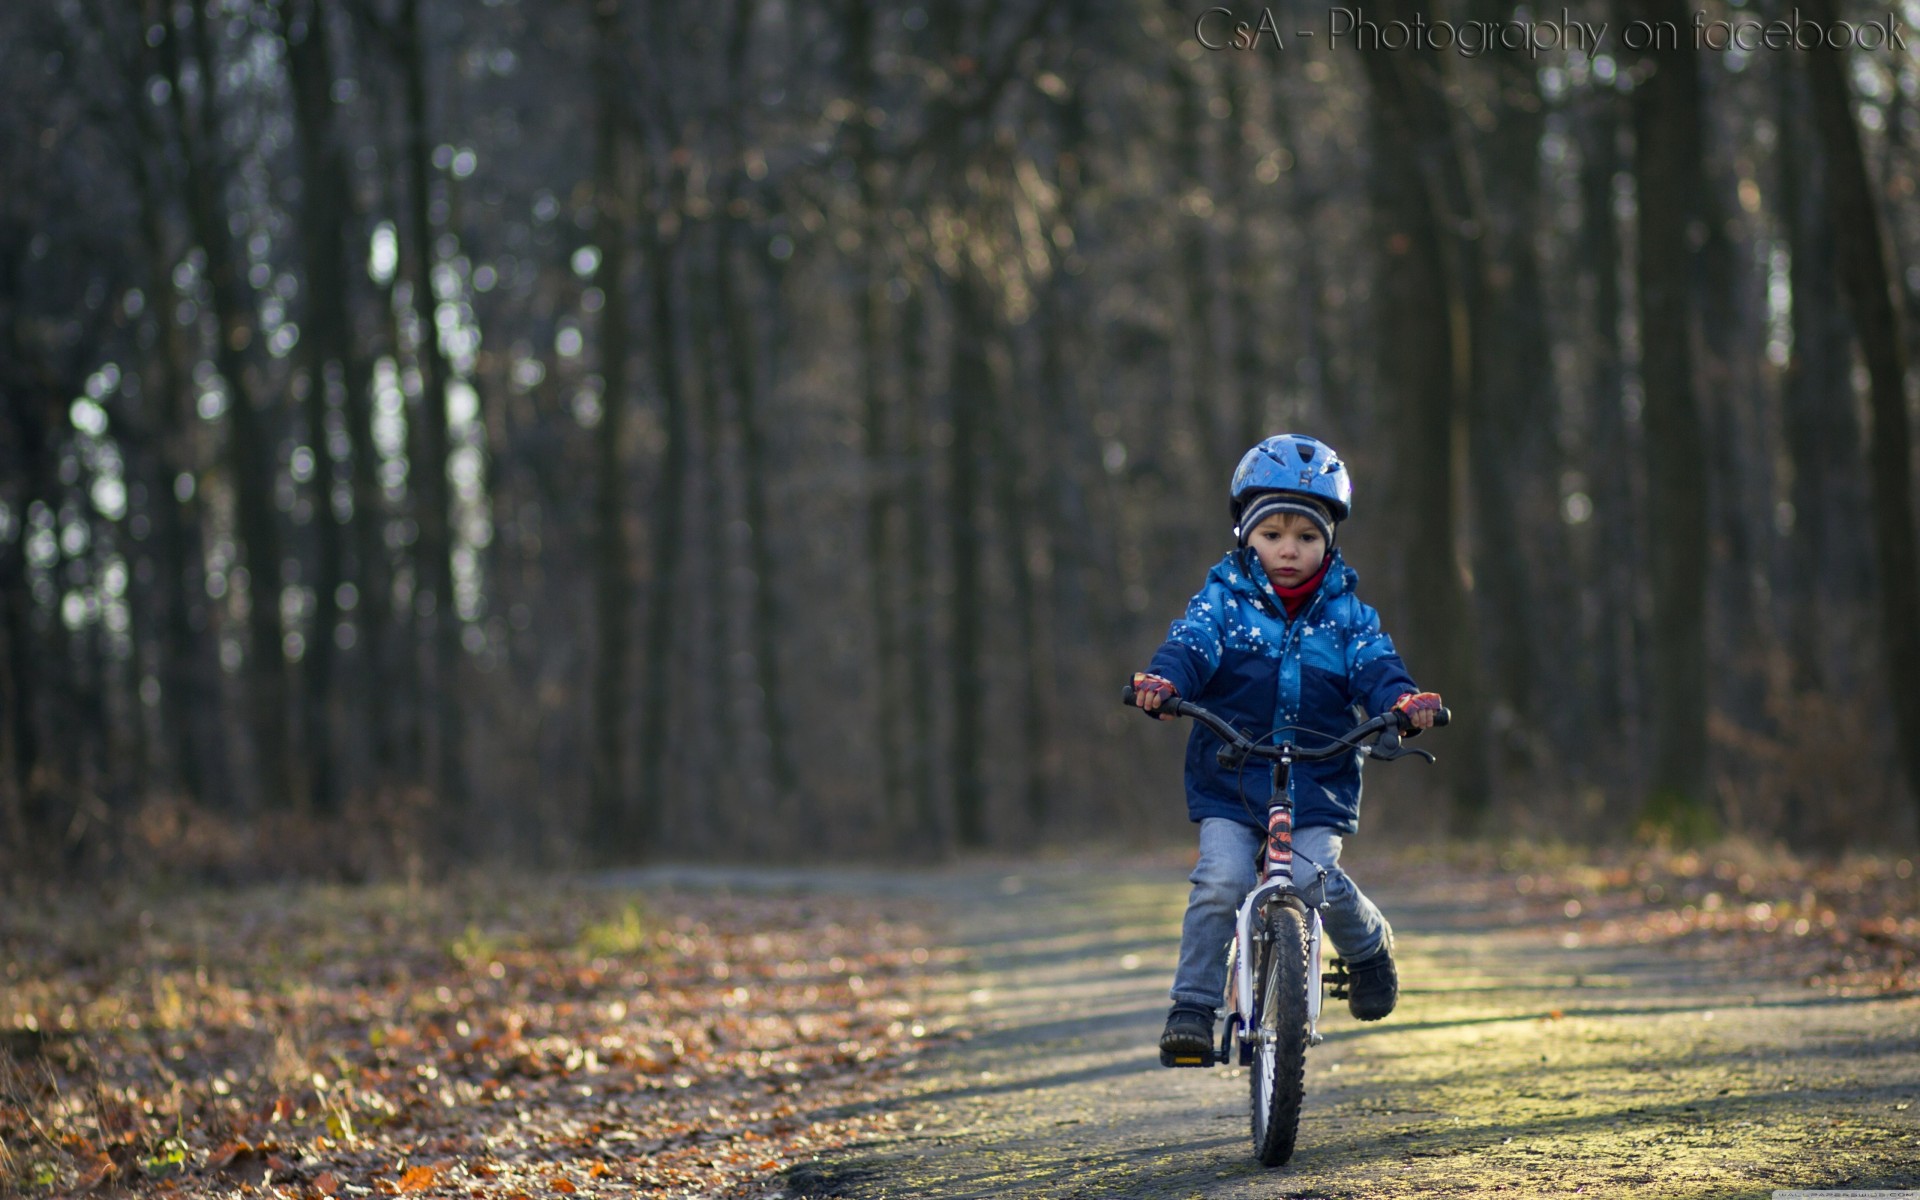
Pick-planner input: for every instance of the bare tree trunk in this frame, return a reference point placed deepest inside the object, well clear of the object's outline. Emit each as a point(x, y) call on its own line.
point(1087, 560)
point(1194, 221)
point(1667, 170)
point(711, 637)
point(1316, 372)
point(1616, 520)
point(1730, 290)
point(390, 689)
point(323, 201)
point(428, 476)
point(249, 445)
point(972, 391)
point(610, 816)
point(668, 506)
point(1880, 326)
point(742, 358)
point(188, 669)
point(882, 507)
point(22, 818)
point(1425, 308)
point(1088, 557)
point(379, 678)
point(1023, 540)
point(923, 757)
point(1511, 414)
point(1245, 271)
point(31, 822)
point(1833, 569)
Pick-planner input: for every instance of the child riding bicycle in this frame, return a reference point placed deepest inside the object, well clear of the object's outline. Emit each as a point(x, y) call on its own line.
point(1277, 637)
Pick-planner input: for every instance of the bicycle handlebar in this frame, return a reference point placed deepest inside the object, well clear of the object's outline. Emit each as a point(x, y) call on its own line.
point(1389, 722)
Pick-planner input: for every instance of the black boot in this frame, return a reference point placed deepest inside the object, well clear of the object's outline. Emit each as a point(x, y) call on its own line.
point(1188, 1038)
point(1373, 984)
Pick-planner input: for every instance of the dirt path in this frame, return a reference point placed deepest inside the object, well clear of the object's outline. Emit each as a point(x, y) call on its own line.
point(1523, 1060)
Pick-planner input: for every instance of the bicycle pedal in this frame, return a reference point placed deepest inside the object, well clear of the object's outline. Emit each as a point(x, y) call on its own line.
point(1187, 1060)
point(1337, 980)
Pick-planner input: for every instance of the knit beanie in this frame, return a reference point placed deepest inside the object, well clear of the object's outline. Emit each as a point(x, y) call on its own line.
point(1268, 504)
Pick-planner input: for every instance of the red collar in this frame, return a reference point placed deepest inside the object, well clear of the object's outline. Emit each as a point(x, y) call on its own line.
point(1295, 598)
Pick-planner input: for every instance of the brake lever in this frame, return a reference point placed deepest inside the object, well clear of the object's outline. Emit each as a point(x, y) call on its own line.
point(1380, 755)
point(1389, 747)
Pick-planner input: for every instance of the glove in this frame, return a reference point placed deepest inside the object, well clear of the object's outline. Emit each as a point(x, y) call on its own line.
point(1419, 708)
point(1150, 692)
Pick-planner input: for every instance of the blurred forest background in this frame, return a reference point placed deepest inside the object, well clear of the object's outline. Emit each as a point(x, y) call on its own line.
point(467, 429)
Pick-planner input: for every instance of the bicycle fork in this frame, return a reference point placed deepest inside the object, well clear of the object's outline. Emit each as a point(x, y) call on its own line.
point(1249, 933)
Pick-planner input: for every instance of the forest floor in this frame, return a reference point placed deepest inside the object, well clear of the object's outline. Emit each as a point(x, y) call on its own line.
point(515, 1037)
point(1682, 1025)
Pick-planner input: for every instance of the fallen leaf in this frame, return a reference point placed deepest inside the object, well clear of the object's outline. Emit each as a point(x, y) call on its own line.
point(97, 1176)
point(240, 1154)
point(325, 1183)
point(418, 1179)
point(564, 1185)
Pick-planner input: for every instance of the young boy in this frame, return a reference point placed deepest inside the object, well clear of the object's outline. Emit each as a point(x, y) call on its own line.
point(1277, 637)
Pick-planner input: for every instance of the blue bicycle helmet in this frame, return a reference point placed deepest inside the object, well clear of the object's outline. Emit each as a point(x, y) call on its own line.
point(1293, 462)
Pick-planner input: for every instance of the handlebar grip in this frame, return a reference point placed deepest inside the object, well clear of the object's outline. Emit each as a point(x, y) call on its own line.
point(1170, 707)
point(1405, 723)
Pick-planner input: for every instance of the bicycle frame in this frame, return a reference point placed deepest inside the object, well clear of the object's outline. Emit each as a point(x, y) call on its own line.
point(1276, 882)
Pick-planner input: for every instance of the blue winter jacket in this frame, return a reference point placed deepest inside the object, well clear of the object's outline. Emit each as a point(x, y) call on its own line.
point(1237, 654)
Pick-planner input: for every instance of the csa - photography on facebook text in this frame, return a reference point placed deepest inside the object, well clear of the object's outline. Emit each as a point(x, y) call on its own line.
point(1344, 27)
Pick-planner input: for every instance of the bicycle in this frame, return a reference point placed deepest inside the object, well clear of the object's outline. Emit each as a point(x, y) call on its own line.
point(1273, 962)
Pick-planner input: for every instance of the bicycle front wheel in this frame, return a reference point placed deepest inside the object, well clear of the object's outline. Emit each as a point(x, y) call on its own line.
point(1279, 1033)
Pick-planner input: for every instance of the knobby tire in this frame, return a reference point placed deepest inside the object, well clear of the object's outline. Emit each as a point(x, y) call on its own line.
point(1280, 1037)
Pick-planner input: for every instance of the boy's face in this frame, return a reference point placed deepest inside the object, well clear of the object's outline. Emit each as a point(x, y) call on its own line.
point(1290, 548)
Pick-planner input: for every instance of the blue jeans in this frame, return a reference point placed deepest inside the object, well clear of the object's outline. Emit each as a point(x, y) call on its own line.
point(1225, 873)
